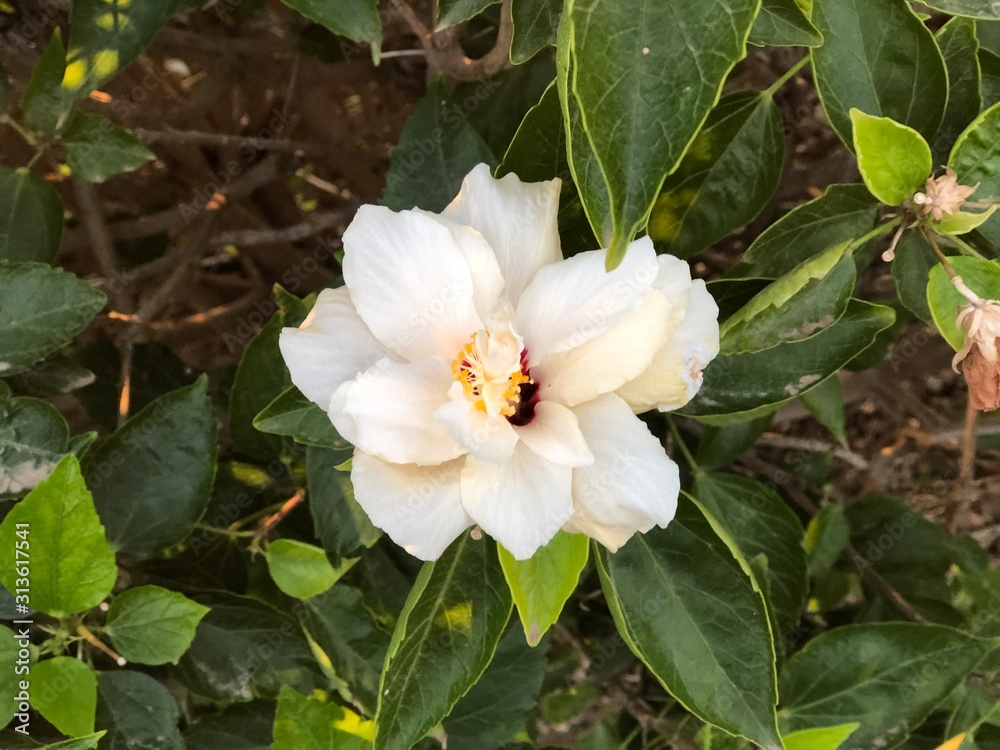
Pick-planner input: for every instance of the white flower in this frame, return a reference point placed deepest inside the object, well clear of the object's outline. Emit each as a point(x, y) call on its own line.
point(483, 379)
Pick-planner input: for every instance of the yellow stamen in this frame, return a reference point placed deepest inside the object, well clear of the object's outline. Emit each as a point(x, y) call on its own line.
point(469, 369)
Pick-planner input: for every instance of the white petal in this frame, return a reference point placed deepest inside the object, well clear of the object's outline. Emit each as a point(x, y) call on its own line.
point(576, 300)
point(632, 484)
point(487, 279)
point(553, 433)
point(606, 363)
point(485, 436)
point(517, 218)
point(332, 345)
point(675, 374)
point(388, 411)
point(419, 507)
point(410, 282)
point(521, 503)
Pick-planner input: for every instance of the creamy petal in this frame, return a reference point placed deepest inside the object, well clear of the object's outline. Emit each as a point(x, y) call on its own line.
point(632, 484)
point(518, 219)
point(675, 374)
point(521, 503)
point(332, 345)
point(607, 362)
point(388, 411)
point(612, 537)
point(419, 507)
point(410, 282)
point(553, 433)
point(485, 436)
point(576, 300)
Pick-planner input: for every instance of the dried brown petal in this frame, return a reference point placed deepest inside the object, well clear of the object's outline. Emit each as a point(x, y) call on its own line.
point(983, 380)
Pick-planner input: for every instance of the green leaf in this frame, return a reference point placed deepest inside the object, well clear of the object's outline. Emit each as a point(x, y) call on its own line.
point(960, 49)
point(242, 726)
point(496, 107)
point(980, 275)
point(152, 625)
point(895, 160)
point(31, 217)
point(910, 268)
point(341, 524)
point(690, 610)
point(33, 437)
point(453, 12)
point(358, 20)
point(827, 536)
point(260, 378)
point(97, 149)
point(302, 570)
point(152, 478)
point(726, 177)
point(885, 676)
point(105, 37)
point(228, 662)
point(841, 213)
point(64, 691)
point(293, 415)
point(880, 58)
point(963, 222)
point(542, 584)
point(821, 738)
point(311, 722)
point(538, 150)
point(826, 403)
point(636, 80)
point(986, 9)
point(443, 641)
point(989, 65)
point(761, 523)
point(720, 446)
point(72, 566)
point(913, 554)
point(535, 23)
point(341, 626)
point(976, 160)
point(496, 708)
point(436, 149)
point(804, 302)
point(742, 386)
point(43, 309)
point(782, 23)
point(42, 104)
point(137, 712)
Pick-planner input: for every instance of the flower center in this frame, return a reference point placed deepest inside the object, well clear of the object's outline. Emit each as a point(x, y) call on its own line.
point(493, 372)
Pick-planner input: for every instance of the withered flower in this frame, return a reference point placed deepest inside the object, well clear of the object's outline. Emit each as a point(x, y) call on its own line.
point(942, 195)
point(980, 358)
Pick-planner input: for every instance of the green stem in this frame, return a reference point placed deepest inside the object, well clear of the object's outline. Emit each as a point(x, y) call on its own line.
point(787, 76)
point(683, 446)
point(224, 531)
point(20, 131)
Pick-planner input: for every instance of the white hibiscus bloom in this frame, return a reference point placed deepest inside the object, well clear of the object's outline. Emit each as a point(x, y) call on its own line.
point(484, 379)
